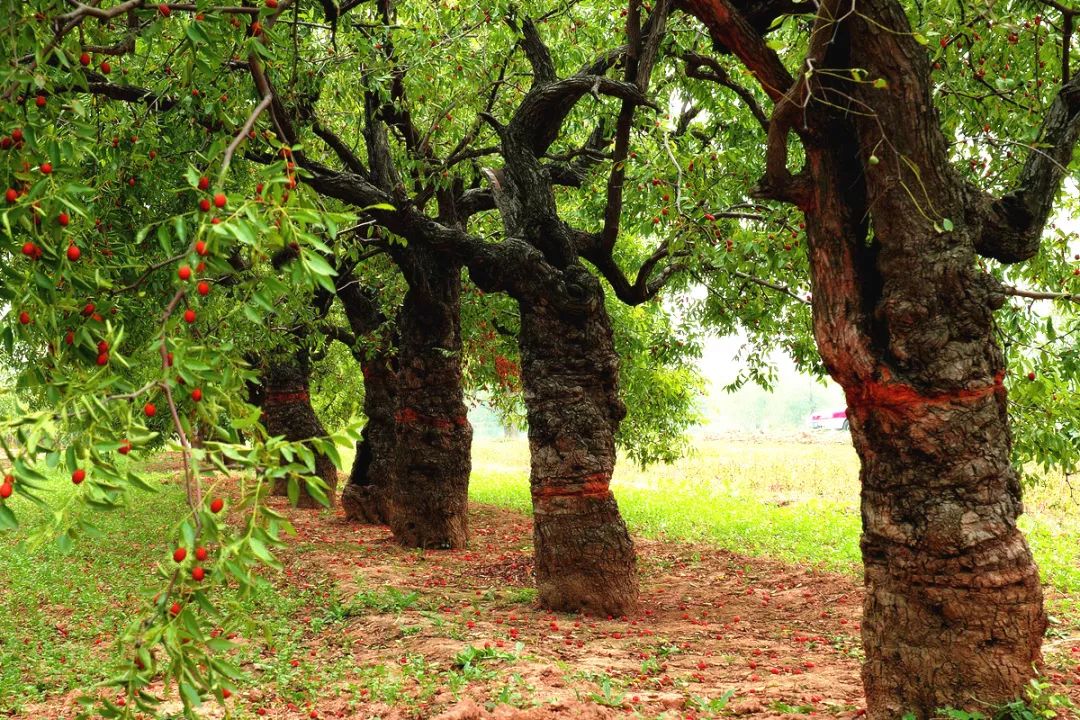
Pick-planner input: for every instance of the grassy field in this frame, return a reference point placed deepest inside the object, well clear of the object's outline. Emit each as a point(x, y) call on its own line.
point(796, 501)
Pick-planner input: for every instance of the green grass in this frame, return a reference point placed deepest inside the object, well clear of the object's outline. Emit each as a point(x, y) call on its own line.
point(795, 501)
point(60, 612)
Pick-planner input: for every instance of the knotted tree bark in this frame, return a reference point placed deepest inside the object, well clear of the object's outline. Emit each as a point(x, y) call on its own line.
point(585, 559)
point(428, 499)
point(286, 405)
point(364, 498)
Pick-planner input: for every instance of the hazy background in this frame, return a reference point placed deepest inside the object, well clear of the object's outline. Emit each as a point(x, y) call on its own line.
point(748, 410)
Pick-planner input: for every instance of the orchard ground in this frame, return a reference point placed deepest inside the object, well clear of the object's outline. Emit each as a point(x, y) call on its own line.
point(750, 601)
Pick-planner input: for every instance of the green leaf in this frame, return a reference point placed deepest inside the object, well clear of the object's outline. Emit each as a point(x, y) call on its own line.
point(8, 520)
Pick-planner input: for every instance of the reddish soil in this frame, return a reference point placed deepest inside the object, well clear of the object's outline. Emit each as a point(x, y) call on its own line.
point(784, 639)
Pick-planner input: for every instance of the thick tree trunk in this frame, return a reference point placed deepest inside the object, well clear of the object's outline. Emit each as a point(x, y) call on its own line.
point(428, 502)
point(365, 496)
point(287, 411)
point(585, 560)
point(953, 612)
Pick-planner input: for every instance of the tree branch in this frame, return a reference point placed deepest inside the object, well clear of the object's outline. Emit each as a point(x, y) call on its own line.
point(717, 74)
point(1039, 295)
point(344, 153)
point(1014, 223)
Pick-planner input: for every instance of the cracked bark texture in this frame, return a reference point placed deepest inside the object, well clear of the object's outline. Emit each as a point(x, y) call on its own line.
point(953, 612)
point(286, 405)
point(364, 498)
point(428, 499)
point(585, 560)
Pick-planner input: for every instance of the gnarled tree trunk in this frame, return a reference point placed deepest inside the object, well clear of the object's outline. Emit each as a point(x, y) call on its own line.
point(428, 501)
point(585, 560)
point(953, 613)
point(365, 496)
point(287, 411)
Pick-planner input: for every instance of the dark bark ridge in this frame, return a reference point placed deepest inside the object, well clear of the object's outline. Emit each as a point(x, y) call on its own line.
point(953, 611)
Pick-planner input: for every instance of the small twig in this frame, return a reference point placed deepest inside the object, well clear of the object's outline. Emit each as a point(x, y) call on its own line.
point(248, 125)
point(1040, 295)
point(142, 278)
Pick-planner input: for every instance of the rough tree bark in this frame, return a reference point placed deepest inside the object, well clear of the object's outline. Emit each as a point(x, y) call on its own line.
point(428, 499)
point(585, 559)
point(953, 612)
point(364, 498)
point(287, 411)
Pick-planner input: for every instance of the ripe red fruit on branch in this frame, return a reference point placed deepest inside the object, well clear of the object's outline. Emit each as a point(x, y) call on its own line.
point(200, 247)
point(179, 555)
point(203, 288)
point(41, 101)
point(17, 135)
point(106, 68)
point(12, 195)
point(175, 609)
point(46, 168)
point(197, 574)
point(63, 218)
point(189, 316)
point(272, 4)
point(24, 318)
point(200, 553)
point(184, 273)
point(220, 200)
point(204, 205)
point(196, 395)
point(125, 447)
point(1031, 376)
point(88, 309)
point(5, 490)
point(78, 476)
point(73, 253)
point(164, 9)
point(150, 409)
point(29, 249)
point(103, 358)
point(216, 504)
point(84, 59)
point(204, 183)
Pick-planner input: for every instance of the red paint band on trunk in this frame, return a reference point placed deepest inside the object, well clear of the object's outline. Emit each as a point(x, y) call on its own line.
point(289, 398)
point(897, 395)
point(597, 485)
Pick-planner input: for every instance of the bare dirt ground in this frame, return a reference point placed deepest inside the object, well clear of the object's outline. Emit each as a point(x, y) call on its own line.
point(784, 640)
point(717, 634)
point(710, 622)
